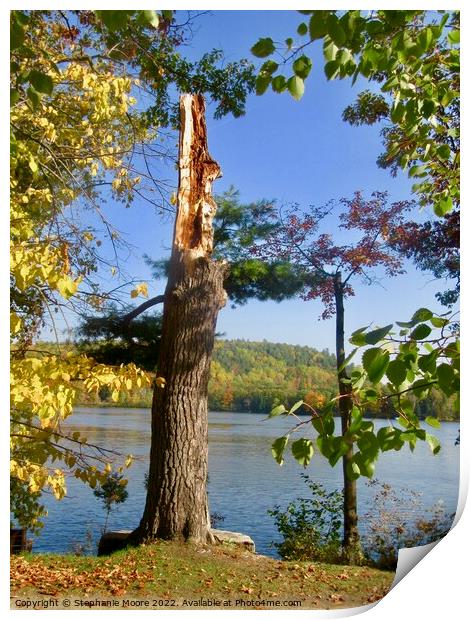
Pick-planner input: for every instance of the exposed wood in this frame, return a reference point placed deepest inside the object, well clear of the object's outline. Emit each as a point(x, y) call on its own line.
point(176, 505)
point(196, 207)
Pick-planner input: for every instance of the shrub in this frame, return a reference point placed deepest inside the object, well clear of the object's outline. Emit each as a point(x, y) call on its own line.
point(311, 528)
point(392, 524)
point(25, 508)
point(112, 491)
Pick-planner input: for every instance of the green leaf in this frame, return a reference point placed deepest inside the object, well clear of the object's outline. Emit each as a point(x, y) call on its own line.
point(374, 27)
point(427, 363)
point(262, 83)
point(302, 67)
point(356, 420)
point(417, 171)
point(443, 151)
point(278, 447)
point(280, 409)
point(390, 83)
point(34, 97)
point(269, 67)
point(289, 42)
point(432, 421)
point(420, 332)
point(296, 87)
point(428, 108)
point(371, 395)
point(335, 30)
point(317, 424)
point(422, 314)
point(433, 443)
point(425, 39)
point(454, 37)
point(376, 335)
point(420, 388)
point(151, 17)
point(368, 444)
point(439, 321)
point(331, 69)
point(396, 372)
point(343, 57)
point(16, 36)
point(279, 84)
point(375, 362)
point(352, 470)
point(317, 26)
point(296, 406)
point(41, 82)
point(358, 336)
point(114, 20)
point(329, 423)
point(14, 96)
point(389, 438)
point(445, 378)
point(302, 29)
point(366, 465)
point(325, 445)
point(329, 50)
point(264, 47)
point(302, 450)
point(443, 206)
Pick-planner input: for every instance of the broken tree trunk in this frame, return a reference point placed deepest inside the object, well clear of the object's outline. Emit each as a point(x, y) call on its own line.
point(176, 506)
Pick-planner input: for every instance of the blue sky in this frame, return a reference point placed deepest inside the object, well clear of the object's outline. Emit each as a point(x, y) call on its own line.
point(292, 152)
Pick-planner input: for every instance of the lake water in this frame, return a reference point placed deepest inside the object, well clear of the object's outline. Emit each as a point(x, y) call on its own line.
point(244, 479)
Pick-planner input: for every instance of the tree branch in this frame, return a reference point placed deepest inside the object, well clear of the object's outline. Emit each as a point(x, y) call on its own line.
point(153, 301)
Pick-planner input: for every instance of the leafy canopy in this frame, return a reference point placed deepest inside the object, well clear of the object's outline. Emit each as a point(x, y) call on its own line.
point(412, 58)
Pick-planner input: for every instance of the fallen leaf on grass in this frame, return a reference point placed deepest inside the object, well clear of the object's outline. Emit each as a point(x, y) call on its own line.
point(336, 598)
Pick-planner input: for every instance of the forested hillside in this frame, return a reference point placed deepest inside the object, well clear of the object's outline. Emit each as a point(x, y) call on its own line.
point(252, 376)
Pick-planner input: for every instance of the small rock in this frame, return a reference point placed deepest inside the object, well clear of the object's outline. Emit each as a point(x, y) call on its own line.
point(236, 538)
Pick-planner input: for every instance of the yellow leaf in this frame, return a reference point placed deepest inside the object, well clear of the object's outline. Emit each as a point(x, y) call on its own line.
point(140, 289)
point(15, 323)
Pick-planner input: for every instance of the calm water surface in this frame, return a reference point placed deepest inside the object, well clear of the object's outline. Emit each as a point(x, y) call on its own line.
point(244, 479)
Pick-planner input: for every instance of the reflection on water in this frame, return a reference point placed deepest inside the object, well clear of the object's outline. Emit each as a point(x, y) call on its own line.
point(244, 479)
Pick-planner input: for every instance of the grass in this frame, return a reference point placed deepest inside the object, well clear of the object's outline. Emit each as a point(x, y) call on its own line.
point(166, 571)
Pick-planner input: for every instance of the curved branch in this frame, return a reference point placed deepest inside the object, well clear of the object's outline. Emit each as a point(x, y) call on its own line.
point(153, 301)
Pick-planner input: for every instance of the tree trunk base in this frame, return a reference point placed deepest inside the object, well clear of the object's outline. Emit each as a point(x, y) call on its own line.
point(118, 540)
point(352, 554)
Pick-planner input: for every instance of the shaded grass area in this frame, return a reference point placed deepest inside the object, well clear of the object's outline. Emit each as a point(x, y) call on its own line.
point(173, 571)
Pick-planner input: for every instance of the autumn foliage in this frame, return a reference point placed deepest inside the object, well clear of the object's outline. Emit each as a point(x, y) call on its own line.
point(360, 242)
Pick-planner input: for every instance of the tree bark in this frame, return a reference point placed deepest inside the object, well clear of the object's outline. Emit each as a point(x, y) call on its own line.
point(351, 539)
point(176, 505)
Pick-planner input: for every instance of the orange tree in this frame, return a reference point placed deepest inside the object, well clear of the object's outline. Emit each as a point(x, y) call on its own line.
point(333, 267)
